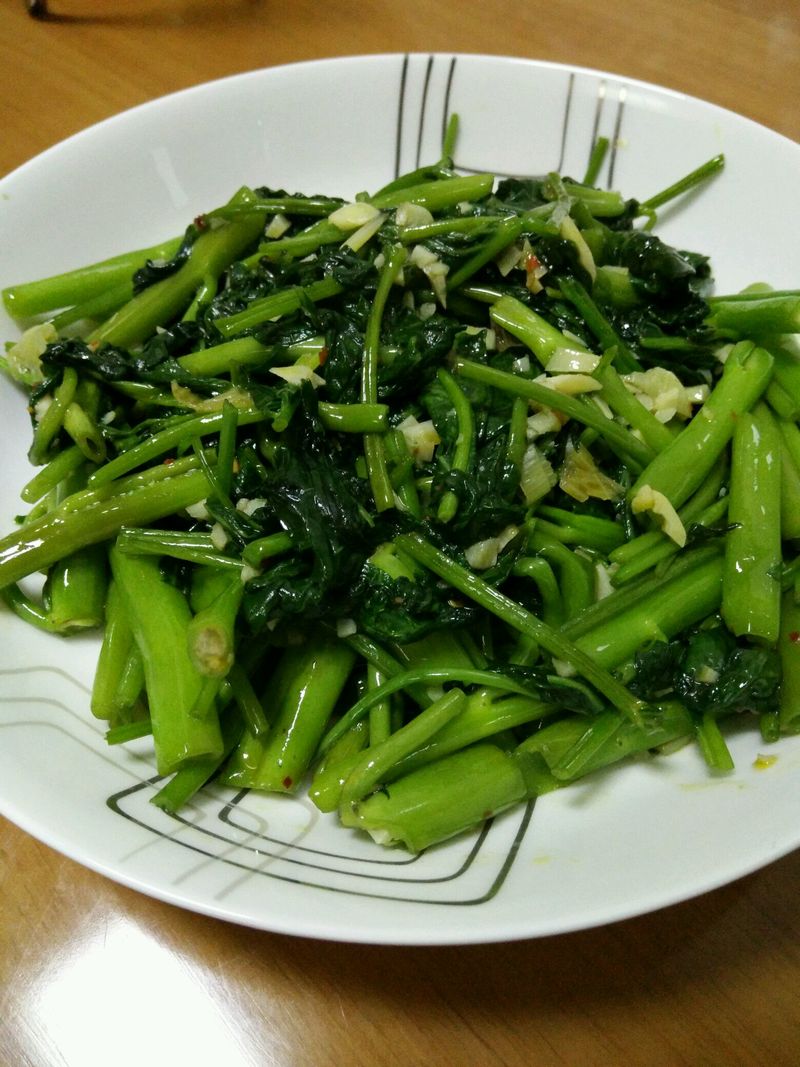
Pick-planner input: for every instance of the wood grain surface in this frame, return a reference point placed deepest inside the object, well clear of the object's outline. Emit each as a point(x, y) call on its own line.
point(92, 973)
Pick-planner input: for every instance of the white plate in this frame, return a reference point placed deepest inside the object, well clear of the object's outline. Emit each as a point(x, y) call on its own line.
point(624, 843)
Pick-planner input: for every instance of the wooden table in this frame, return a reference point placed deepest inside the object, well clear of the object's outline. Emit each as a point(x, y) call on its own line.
point(712, 981)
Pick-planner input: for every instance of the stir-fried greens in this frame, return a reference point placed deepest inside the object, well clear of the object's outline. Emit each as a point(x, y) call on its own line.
point(428, 502)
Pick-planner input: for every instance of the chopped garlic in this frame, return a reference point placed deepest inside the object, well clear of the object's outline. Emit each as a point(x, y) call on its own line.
point(649, 499)
point(544, 421)
point(572, 361)
point(198, 511)
point(277, 227)
point(24, 357)
point(409, 214)
point(346, 627)
point(483, 554)
point(298, 373)
point(537, 477)
point(434, 269)
point(240, 398)
point(353, 216)
point(365, 233)
point(249, 505)
point(570, 384)
point(603, 586)
point(247, 573)
point(706, 674)
point(581, 478)
point(509, 258)
point(570, 232)
point(522, 365)
point(421, 438)
point(663, 393)
point(219, 536)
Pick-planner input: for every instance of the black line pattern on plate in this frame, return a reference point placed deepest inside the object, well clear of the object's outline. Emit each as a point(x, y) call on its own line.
point(565, 121)
point(401, 103)
point(224, 815)
point(605, 94)
point(622, 96)
point(114, 802)
point(421, 119)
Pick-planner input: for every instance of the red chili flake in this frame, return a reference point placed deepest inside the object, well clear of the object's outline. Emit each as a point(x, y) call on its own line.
point(201, 222)
point(323, 355)
point(169, 461)
point(794, 635)
point(287, 782)
point(532, 262)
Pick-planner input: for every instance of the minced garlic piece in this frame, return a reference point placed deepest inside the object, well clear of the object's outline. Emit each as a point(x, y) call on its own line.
point(649, 499)
point(353, 216)
point(572, 361)
point(421, 438)
point(570, 384)
point(581, 478)
point(298, 373)
point(483, 554)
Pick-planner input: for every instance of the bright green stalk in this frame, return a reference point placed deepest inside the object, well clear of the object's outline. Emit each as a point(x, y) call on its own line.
point(304, 692)
point(75, 591)
point(663, 547)
point(465, 440)
point(682, 467)
point(77, 286)
point(159, 616)
point(53, 418)
point(662, 724)
point(427, 675)
point(789, 650)
point(760, 316)
point(675, 603)
point(576, 584)
point(247, 701)
point(354, 418)
point(541, 574)
point(690, 181)
point(187, 781)
point(210, 634)
point(377, 471)
point(751, 585)
point(276, 305)
point(113, 657)
point(445, 798)
point(39, 544)
point(586, 413)
point(180, 433)
point(221, 359)
point(85, 432)
point(515, 616)
point(26, 608)
point(437, 195)
point(535, 332)
point(606, 335)
point(596, 159)
point(193, 547)
point(707, 495)
point(504, 234)
point(623, 403)
point(160, 303)
point(790, 488)
point(61, 466)
point(373, 765)
point(712, 745)
point(570, 527)
point(264, 548)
